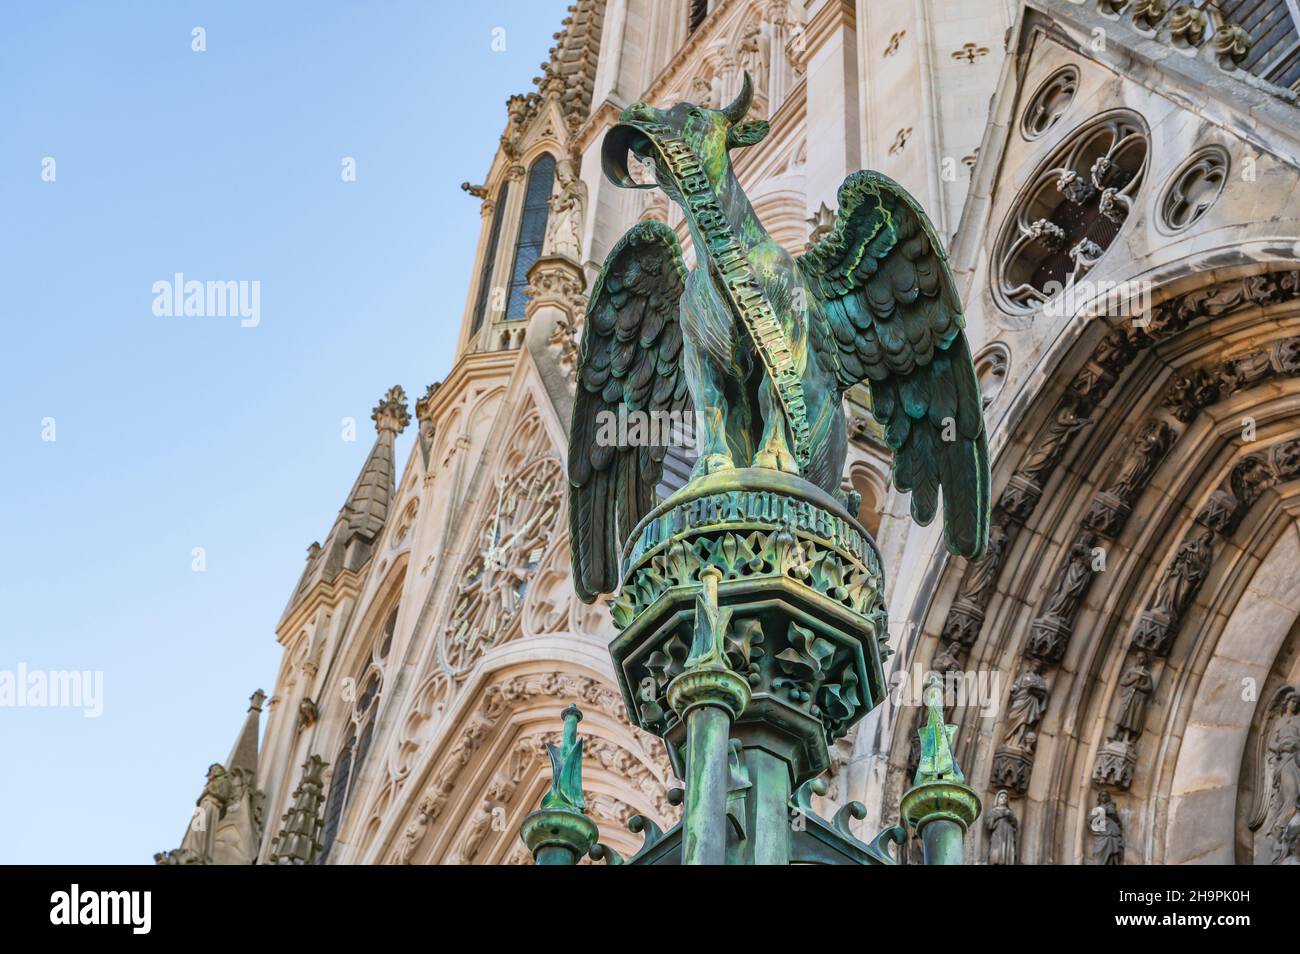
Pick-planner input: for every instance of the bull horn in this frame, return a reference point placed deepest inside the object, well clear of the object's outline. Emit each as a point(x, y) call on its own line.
point(740, 105)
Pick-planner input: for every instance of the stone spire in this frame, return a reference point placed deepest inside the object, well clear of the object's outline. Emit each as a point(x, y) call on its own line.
point(365, 510)
point(226, 825)
point(367, 505)
point(243, 755)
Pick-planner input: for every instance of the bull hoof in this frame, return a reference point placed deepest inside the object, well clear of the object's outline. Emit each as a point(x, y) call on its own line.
point(713, 463)
point(775, 457)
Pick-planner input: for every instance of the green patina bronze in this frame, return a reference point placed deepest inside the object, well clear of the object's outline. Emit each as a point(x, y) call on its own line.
point(560, 833)
point(939, 806)
point(752, 625)
point(762, 346)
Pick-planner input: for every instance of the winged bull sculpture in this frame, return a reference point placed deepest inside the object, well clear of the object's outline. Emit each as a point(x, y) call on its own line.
point(763, 345)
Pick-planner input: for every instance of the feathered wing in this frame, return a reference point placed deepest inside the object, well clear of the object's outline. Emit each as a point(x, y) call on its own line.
point(630, 356)
point(887, 312)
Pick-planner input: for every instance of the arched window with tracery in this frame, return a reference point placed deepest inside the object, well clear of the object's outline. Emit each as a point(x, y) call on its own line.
point(482, 300)
point(532, 231)
point(364, 693)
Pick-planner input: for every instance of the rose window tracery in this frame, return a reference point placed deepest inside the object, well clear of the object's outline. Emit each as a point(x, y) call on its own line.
point(1194, 188)
point(1071, 212)
point(512, 539)
point(1049, 102)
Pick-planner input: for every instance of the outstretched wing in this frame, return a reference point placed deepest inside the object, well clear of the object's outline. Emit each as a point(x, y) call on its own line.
point(887, 312)
point(630, 357)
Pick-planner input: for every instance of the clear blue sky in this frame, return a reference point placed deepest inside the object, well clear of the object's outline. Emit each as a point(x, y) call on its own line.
point(176, 433)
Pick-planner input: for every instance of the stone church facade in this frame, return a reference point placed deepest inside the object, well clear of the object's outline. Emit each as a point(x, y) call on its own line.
point(1118, 182)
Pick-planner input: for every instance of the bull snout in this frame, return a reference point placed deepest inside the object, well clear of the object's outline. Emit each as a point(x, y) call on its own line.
point(639, 111)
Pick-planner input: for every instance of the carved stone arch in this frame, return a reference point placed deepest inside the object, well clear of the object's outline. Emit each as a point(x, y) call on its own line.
point(1198, 798)
point(482, 407)
point(386, 596)
point(528, 439)
point(779, 204)
point(873, 486)
point(517, 702)
point(1120, 379)
point(448, 433)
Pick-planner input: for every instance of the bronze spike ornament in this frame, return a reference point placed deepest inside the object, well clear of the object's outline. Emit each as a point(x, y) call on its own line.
point(749, 604)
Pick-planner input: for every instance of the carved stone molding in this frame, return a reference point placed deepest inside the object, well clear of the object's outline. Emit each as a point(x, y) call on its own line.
point(494, 706)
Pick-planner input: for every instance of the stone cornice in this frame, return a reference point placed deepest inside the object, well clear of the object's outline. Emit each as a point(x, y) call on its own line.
point(833, 15)
point(324, 594)
point(471, 367)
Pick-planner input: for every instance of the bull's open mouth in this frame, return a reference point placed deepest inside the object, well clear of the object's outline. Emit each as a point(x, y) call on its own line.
point(622, 139)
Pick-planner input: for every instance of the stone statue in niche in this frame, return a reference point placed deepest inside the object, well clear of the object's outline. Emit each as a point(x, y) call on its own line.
point(1028, 703)
point(947, 659)
point(1107, 832)
point(1066, 423)
point(1249, 479)
point(1135, 688)
point(1141, 463)
point(1189, 568)
point(1074, 579)
point(1004, 832)
point(1278, 786)
point(984, 574)
point(564, 223)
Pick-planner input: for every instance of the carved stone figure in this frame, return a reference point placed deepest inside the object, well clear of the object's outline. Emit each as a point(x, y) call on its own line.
point(1189, 568)
point(763, 346)
point(1066, 423)
point(1028, 703)
point(1004, 832)
point(1135, 688)
point(947, 660)
point(1249, 479)
point(1283, 787)
point(1107, 831)
point(211, 808)
point(564, 223)
point(1142, 460)
point(1072, 582)
point(983, 575)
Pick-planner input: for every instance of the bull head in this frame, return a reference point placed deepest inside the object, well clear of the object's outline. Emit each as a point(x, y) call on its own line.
point(709, 133)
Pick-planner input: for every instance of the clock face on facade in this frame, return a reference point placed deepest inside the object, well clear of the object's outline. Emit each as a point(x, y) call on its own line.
point(513, 537)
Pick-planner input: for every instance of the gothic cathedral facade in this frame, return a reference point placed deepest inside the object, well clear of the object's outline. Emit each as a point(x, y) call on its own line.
point(1118, 185)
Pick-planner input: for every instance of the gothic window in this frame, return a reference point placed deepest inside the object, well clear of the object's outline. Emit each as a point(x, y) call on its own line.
point(364, 695)
point(1071, 211)
point(1049, 102)
point(337, 794)
point(482, 300)
point(1194, 188)
point(696, 12)
point(532, 230)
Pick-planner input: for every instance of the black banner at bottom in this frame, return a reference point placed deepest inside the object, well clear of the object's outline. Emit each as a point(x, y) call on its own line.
point(127, 903)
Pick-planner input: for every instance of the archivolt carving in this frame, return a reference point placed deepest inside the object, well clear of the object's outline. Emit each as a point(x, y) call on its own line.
point(647, 769)
point(1275, 813)
point(1187, 393)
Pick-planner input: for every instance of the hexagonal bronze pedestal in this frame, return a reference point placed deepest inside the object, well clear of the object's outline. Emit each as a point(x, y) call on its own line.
point(795, 589)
